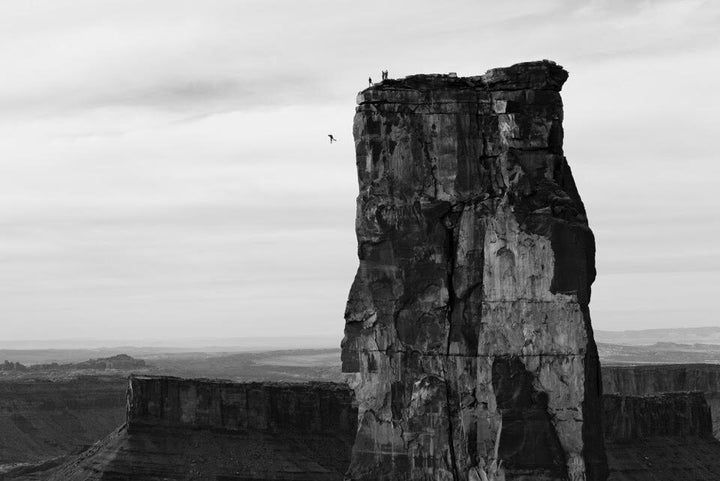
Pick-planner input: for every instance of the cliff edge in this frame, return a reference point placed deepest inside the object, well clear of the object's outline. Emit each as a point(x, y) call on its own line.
point(664, 437)
point(661, 378)
point(200, 429)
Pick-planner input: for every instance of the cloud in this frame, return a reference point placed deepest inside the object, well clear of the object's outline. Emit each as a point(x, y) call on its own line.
point(166, 166)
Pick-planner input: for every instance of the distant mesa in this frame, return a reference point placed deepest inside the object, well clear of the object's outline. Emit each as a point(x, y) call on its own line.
point(689, 335)
point(119, 362)
point(184, 429)
point(663, 378)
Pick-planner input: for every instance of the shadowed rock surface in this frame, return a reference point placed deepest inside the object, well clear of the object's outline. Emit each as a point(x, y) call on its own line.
point(198, 429)
point(468, 319)
point(54, 411)
point(317, 407)
point(665, 437)
point(653, 379)
point(185, 429)
point(627, 418)
point(43, 419)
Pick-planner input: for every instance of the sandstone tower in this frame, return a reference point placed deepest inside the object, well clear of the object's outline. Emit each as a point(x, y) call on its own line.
point(467, 324)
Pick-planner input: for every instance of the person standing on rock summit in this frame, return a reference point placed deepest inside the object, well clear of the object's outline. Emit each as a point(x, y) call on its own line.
point(369, 81)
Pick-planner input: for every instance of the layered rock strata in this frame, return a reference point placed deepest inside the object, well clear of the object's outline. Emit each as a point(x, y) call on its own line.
point(185, 429)
point(665, 437)
point(198, 429)
point(628, 418)
point(43, 419)
point(467, 325)
point(311, 408)
point(654, 379)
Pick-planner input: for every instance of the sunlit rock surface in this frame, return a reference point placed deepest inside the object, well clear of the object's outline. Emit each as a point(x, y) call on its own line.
point(467, 325)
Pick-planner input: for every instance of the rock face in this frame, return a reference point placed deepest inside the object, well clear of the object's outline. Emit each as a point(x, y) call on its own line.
point(190, 429)
point(467, 325)
point(628, 418)
point(313, 408)
point(653, 379)
point(666, 437)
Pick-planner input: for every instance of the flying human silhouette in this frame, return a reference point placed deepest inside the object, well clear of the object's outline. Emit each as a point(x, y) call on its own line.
point(332, 139)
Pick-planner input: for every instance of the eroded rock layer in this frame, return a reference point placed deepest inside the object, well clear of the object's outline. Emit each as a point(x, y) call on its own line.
point(660, 378)
point(191, 429)
point(40, 420)
point(627, 418)
point(311, 408)
point(467, 325)
point(664, 437)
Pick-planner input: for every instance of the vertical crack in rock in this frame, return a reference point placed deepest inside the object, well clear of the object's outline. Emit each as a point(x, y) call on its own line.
point(476, 261)
point(451, 251)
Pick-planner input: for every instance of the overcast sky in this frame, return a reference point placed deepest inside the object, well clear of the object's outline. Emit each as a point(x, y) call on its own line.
point(165, 169)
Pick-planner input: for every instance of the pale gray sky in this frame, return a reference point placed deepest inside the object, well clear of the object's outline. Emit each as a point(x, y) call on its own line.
point(165, 169)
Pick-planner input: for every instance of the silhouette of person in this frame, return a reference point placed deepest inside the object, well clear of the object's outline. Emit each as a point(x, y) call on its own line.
point(332, 139)
point(370, 81)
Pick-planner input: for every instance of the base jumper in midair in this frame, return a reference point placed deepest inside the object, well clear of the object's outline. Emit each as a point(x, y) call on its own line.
point(332, 139)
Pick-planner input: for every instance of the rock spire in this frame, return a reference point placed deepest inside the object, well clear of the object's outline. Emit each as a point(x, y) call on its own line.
point(467, 324)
